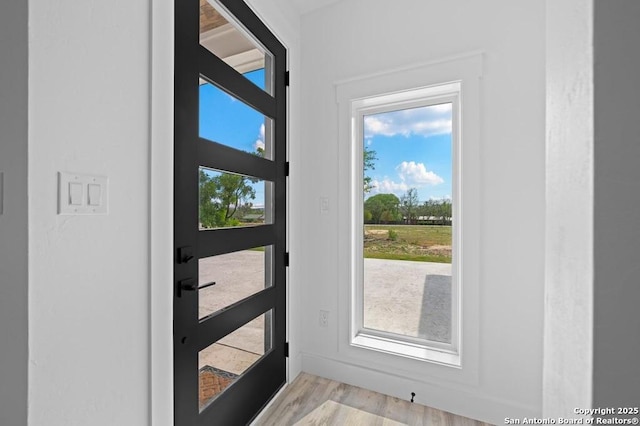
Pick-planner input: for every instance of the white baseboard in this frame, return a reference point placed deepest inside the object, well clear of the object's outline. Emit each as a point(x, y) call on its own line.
point(472, 403)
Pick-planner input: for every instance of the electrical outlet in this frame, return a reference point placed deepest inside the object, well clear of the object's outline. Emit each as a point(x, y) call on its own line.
point(324, 318)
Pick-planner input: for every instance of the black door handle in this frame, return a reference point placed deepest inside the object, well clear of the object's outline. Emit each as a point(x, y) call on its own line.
point(206, 285)
point(186, 285)
point(190, 285)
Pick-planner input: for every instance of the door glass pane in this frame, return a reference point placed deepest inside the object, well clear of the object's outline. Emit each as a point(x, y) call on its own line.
point(222, 363)
point(408, 184)
point(229, 41)
point(229, 121)
point(237, 276)
point(231, 200)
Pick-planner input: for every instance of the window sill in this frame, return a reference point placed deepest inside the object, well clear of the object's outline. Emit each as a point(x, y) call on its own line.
point(407, 350)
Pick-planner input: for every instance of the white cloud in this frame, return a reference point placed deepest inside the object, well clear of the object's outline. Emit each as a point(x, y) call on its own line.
point(424, 121)
point(259, 143)
point(411, 175)
point(374, 125)
point(387, 186)
point(416, 174)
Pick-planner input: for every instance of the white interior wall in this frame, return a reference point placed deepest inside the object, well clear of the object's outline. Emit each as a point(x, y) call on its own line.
point(161, 221)
point(568, 334)
point(616, 338)
point(355, 37)
point(89, 275)
point(13, 213)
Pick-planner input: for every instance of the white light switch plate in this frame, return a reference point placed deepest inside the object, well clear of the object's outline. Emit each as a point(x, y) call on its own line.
point(82, 194)
point(324, 205)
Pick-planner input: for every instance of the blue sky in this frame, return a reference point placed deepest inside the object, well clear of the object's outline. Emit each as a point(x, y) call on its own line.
point(413, 147)
point(231, 122)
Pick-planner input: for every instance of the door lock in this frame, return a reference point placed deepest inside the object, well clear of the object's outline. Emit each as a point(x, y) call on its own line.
point(185, 254)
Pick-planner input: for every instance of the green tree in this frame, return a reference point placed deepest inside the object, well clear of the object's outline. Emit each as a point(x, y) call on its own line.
point(387, 217)
point(440, 209)
point(409, 205)
point(369, 158)
point(380, 203)
point(444, 212)
point(233, 191)
point(221, 196)
point(244, 209)
point(210, 211)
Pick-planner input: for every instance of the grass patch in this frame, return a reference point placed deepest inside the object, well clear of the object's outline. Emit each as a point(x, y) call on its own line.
point(413, 257)
point(421, 243)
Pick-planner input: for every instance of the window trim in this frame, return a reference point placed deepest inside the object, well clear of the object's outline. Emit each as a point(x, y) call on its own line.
point(393, 343)
point(468, 69)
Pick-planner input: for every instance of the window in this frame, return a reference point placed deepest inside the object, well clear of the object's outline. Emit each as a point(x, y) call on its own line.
point(405, 282)
point(418, 356)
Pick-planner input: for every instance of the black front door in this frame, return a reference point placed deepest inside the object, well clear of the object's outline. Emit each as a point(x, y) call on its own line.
point(229, 213)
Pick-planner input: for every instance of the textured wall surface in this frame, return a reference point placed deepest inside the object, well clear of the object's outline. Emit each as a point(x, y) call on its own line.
point(569, 209)
point(89, 275)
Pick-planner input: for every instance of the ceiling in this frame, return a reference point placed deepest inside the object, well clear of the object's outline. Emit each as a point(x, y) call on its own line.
point(227, 42)
point(209, 17)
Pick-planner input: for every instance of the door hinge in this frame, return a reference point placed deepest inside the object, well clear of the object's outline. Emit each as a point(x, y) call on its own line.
point(286, 259)
point(286, 78)
point(286, 169)
point(286, 349)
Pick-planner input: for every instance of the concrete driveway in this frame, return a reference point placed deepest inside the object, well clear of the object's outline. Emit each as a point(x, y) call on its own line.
point(404, 297)
point(408, 298)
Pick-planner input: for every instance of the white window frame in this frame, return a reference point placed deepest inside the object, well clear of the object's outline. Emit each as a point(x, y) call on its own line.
point(412, 347)
point(405, 359)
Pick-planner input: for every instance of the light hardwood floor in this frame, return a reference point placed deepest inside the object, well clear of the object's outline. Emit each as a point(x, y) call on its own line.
point(312, 400)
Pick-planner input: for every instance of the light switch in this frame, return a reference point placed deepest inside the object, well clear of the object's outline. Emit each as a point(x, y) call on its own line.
point(95, 194)
point(324, 205)
point(80, 194)
point(75, 193)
